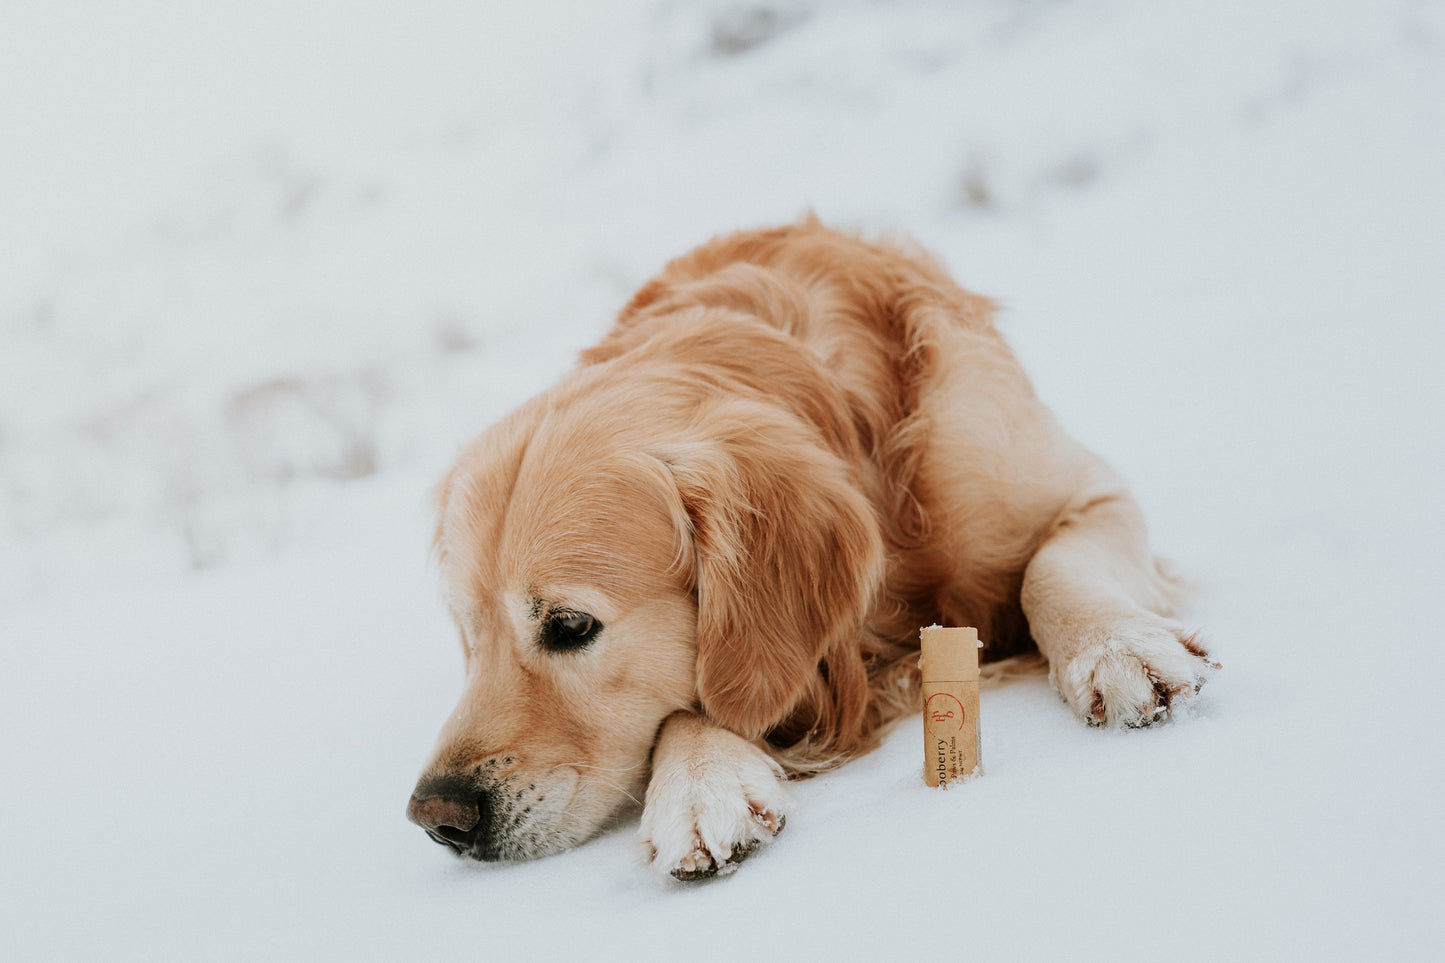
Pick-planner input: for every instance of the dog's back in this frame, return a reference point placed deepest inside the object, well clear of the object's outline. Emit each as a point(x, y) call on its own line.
point(967, 469)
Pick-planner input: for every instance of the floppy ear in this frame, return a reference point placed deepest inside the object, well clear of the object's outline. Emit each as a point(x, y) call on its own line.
point(787, 556)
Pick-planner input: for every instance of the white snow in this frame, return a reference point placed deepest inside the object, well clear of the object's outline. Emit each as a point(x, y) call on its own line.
point(266, 265)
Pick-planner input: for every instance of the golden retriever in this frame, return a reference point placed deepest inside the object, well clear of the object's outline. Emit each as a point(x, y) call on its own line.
point(699, 563)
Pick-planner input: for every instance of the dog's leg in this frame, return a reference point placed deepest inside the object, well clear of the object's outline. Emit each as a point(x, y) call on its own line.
point(713, 798)
point(1100, 609)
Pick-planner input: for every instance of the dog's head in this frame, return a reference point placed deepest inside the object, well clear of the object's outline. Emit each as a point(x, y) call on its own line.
point(620, 549)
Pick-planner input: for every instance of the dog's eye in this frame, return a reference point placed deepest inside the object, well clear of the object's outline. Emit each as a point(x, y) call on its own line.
point(569, 630)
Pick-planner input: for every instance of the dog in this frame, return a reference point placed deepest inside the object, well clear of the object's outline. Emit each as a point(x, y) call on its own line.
point(697, 566)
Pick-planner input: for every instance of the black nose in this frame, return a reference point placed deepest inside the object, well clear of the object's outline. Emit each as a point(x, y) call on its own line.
point(452, 812)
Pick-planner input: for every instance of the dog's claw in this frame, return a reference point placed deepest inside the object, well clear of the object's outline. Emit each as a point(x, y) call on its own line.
point(1098, 715)
point(766, 818)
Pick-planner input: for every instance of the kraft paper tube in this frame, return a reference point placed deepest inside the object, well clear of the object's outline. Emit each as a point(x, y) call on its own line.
point(949, 661)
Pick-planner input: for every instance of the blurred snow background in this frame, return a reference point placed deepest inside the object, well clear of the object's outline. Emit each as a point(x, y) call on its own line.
point(264, 266)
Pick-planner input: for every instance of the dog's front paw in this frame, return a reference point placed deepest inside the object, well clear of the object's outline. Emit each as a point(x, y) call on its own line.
point(710, 804)
point(1133, 673)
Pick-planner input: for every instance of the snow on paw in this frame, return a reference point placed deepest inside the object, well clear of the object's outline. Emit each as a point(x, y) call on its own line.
point(1133, 673)
point(709, 812)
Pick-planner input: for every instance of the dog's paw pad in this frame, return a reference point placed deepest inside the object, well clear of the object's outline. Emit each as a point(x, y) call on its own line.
point(703, 821)
point(1135, 676)
point(703, 861)
point(698, 864)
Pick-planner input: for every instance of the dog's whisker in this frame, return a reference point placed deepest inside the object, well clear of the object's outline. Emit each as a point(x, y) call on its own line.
point(621, 790)
point(605, 782)
point(583, 765)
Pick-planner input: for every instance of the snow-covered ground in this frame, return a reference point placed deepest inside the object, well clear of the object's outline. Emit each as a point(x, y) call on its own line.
point(266, 265)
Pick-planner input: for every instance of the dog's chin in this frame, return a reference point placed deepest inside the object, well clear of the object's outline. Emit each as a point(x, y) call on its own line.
point(534, 845)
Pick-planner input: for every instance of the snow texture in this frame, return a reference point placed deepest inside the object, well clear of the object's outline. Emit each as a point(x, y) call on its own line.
point(266, 265)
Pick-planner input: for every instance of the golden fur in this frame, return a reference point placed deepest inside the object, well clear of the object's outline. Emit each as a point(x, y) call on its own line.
point(792, 450)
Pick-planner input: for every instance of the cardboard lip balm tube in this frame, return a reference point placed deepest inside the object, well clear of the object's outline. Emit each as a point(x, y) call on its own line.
point(949, 660)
